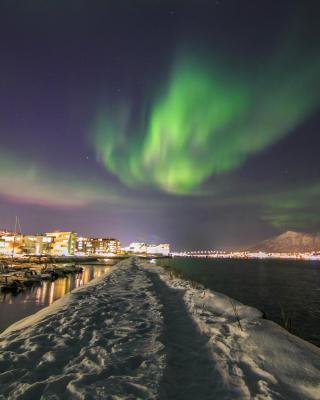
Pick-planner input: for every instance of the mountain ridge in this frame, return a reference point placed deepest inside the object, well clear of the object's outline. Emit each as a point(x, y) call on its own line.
point(289, 242)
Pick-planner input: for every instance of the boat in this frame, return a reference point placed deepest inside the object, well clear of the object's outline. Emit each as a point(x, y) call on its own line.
point(3, 268)
point(9, 284)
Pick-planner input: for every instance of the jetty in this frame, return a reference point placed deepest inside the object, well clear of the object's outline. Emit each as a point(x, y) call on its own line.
point(140, 332)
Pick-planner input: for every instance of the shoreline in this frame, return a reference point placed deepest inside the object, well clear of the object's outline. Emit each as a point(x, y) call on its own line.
point(256, 358)
point(260, 283)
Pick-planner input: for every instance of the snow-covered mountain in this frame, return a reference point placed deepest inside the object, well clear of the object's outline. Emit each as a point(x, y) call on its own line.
point(289, 241)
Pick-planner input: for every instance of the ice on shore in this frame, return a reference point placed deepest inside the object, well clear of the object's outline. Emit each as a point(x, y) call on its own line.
point(141, 333)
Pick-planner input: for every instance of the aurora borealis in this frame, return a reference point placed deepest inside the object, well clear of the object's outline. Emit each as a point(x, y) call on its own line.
point(195, 123)
point(208, 122)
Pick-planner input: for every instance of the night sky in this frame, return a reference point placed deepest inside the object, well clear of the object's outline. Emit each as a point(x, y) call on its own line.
point(190, 122)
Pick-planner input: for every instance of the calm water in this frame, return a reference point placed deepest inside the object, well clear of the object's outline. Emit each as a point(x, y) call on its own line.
point(15, 307)
point(277, 287)
point(290, 288)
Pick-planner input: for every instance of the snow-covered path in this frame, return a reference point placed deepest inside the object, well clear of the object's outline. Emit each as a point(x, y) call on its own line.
point(139, 333)
point(100, 341)
point(189, 373)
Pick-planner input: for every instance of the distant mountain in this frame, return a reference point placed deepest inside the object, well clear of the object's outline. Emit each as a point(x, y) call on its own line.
point(289, 242)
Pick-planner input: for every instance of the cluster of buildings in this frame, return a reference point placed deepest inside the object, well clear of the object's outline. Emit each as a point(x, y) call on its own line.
point(146, 248)
point(69, 244)
point(101, 246)
point(57, 244)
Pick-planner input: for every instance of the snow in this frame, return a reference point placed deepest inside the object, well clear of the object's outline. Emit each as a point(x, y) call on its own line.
point(256, 359)
point(99, 342)
point(141, 333)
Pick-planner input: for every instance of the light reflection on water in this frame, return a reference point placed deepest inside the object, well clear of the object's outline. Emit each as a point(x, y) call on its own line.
point(15, 307)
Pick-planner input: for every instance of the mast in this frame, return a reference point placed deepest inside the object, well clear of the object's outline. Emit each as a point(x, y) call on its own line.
point(17, 223)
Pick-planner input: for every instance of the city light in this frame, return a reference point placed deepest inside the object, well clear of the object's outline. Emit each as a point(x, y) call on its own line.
point(248, 255)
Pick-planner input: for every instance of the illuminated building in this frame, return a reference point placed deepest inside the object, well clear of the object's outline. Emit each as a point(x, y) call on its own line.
point(136, 247)
point(114, 245)
point(47, 243)
point(10, 244)
point(64, 243)
point(37, 244)
point(25, 244)
point(84, 246)
point(104, 246)
point(163, 249)
point(145, 248)
point(100, 246)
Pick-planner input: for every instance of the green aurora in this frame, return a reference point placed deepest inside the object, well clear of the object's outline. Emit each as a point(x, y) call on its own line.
point(43, 186)
point(294, 208)
point(207, 120)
